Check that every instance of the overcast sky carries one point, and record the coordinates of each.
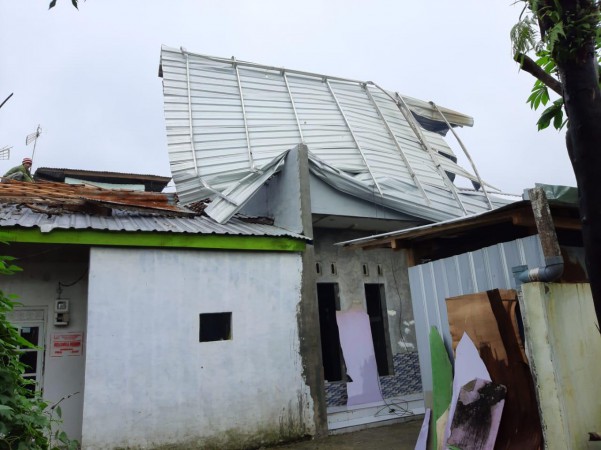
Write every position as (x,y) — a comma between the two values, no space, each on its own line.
(90,77)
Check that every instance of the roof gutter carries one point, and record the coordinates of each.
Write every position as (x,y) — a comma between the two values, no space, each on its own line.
(553,268)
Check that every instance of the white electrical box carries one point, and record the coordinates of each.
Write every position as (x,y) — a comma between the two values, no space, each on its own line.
(61,306)
(61,313)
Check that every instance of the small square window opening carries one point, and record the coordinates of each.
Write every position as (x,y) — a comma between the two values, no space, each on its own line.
(215,327)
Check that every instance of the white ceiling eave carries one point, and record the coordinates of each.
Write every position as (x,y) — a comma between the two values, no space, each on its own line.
(406,199)
(425,109)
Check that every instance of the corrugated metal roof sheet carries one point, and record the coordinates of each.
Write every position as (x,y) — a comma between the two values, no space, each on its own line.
(227,119)
(23,216)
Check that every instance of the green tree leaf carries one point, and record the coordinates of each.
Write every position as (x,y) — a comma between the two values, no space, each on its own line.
(552,113)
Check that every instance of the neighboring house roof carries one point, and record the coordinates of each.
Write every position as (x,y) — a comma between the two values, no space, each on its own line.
(152,183)
(46,194)
(487,226)
(23,216)
(45,212)
(230,123)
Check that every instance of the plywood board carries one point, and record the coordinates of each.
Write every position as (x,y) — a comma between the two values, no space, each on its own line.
(358,350)
(477,415)
(468,367)
(489,318)
(422,439)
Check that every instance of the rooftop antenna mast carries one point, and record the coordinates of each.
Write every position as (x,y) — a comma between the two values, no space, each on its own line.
(33,137)
(5,152)
(7,98)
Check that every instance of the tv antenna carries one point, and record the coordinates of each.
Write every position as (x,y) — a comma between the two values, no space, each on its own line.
(33,137)
(5,152)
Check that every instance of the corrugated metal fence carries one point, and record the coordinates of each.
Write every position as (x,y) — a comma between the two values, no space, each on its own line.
(469,273)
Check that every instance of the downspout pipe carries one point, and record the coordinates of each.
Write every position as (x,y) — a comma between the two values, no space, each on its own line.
(551,271)
(554,264)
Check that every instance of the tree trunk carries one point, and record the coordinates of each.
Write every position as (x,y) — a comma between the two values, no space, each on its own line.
(582,99)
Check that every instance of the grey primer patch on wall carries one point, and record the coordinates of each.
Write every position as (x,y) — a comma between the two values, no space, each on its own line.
(215,327)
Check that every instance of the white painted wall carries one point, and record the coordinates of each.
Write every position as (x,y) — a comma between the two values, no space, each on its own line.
(150,382)
(43,267)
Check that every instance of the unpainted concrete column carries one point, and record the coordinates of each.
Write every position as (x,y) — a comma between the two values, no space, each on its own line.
(290,204)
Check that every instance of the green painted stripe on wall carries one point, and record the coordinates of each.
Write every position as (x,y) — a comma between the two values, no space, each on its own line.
(151,239)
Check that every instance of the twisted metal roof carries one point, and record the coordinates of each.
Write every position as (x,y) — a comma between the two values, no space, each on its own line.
(229,124)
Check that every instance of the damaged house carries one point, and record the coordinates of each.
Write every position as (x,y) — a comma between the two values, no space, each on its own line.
(514,280)
(241,324)
(370,160)
(123,293)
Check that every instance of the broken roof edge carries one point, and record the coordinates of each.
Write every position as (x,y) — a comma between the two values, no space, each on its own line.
(60,171)
(562,192)
(221,209)
(420,107)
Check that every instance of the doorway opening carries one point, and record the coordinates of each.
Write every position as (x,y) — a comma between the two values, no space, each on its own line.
(375,300)
(331,352)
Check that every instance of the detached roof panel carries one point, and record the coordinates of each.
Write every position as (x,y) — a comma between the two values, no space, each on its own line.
(228,119)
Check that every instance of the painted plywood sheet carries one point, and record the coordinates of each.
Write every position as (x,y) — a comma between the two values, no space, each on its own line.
(477,415)
(422,439)
(358,350)
(472,313)
(487,318)
(468,366)
(442,381)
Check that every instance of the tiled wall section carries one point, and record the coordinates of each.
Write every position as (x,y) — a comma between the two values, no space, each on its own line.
(407,380)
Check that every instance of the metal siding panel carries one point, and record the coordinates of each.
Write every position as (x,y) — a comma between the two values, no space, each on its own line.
(450,268)
(481,274)
(496,267)
(422,322)
(466,276)
(532,251)
(442,293)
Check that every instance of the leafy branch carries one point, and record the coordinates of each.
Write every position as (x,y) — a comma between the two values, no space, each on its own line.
(53,4)
(553,34)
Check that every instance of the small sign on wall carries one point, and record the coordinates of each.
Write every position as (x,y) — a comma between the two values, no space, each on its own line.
(66,343)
